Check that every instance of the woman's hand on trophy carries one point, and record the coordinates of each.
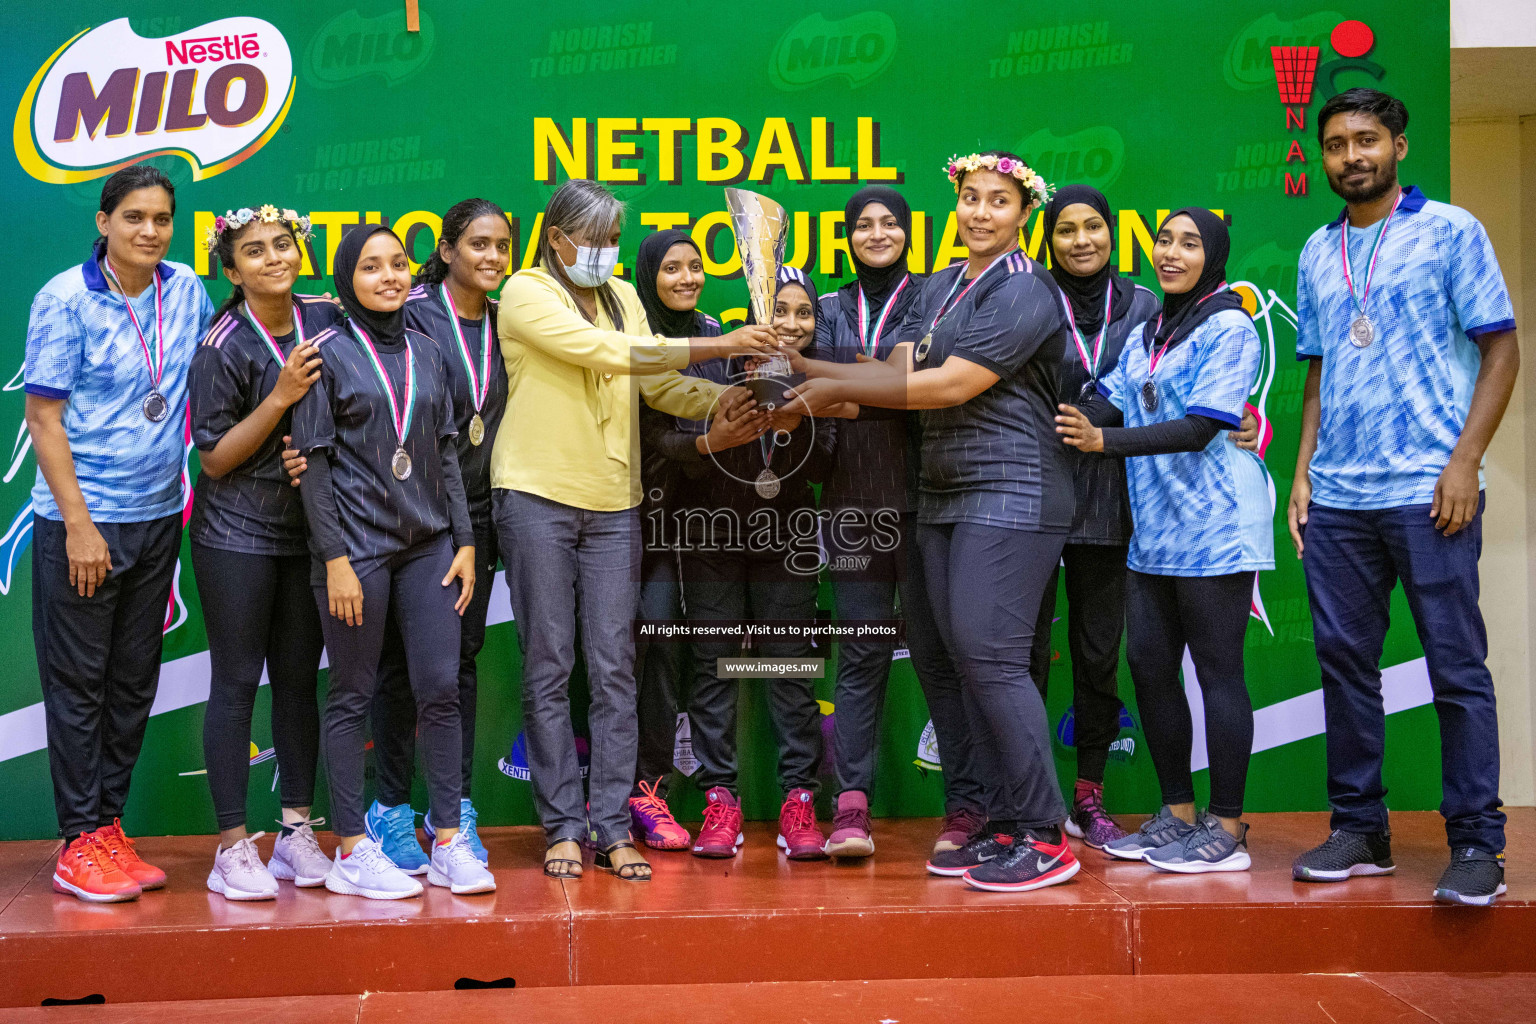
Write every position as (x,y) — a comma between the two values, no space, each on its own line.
(814,396)
(737,420)
(751,339)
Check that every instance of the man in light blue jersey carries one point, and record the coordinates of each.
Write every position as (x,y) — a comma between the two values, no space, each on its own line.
(1409,335)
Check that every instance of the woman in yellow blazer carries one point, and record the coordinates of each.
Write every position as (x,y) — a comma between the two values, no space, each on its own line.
(565,474)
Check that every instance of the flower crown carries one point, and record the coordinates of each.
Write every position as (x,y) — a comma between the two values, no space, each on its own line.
(234,220)
(1017,169)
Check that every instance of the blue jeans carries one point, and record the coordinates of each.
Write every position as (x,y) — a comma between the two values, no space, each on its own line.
(563,561)
(1352,560)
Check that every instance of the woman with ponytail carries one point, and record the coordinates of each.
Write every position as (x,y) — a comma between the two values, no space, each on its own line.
(449,305)
(108,345)
(249,549)
(566,476)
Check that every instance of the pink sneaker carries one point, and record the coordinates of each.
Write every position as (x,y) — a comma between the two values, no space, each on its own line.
(720,835)
(850,827)
(652,820)
(957,830)
(799,836)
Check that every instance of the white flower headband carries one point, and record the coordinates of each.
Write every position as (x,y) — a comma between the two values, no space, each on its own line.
(1034,185)
(234,220)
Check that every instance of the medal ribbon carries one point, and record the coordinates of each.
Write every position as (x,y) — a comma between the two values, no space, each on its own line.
(1155,359)
(1091,365)
(155,359)
(266,335)
(1370,270)
(479,383)
(869,341)
(945,308)
(401,417)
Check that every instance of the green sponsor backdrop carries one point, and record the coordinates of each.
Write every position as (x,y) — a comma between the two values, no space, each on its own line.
(1158,110)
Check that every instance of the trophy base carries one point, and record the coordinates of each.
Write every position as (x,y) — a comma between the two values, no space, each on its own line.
(769,390)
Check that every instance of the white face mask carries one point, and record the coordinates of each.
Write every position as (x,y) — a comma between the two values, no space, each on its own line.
(593,265)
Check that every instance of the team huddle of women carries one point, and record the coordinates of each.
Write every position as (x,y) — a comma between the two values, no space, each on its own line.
(368,461)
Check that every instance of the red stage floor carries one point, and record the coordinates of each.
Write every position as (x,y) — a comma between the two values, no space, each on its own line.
(757,918)
(1147,998)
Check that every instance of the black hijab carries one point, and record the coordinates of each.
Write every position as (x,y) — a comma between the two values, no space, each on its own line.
(664,320)
(383,328)
(1086,294)
(1183,312)
(878,282)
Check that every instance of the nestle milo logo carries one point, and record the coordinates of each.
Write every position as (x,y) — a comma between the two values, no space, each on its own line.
(1093,156)
(1249,65)
(814,49)
(351,46)
(1268,266)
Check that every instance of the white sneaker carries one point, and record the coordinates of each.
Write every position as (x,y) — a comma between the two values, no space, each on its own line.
(455,865)
(367,872)
(297,856)
(238,873)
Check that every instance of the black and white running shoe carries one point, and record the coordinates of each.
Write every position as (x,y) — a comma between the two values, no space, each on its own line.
(1344,854)
(1475,878)
(984,846)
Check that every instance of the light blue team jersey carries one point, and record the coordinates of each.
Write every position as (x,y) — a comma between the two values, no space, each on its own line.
(82,348)
(1204,513)
(1393,411)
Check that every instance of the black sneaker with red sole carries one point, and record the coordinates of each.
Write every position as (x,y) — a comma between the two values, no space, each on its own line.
(1033,862)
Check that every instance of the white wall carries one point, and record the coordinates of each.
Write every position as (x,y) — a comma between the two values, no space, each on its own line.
(1493,23)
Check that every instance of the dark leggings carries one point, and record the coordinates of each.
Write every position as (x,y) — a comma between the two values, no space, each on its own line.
(409,585)
(258,611)
(985,583)
(394,705)
(1209,614)
(1095,621)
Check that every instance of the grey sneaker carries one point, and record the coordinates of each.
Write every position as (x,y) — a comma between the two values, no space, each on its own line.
(1474,879)
(1344,854)
(1158,831)
(239,874)
(1206,847)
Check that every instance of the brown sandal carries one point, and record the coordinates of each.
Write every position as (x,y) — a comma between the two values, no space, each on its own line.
(562,867)
(630,872)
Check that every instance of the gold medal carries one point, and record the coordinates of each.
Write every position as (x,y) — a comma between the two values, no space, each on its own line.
(476,430)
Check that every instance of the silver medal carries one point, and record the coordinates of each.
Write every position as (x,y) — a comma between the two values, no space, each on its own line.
(1362,332)
(1149,395)
(923,347)
(767,484)
(476,430)
(1089,390)
(400,465)
(155,407)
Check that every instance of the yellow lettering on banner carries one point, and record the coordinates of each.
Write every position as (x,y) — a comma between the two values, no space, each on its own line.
(732,318)
(668,145)
(822,169)
(919,242)
(407,225)
(704,232)
(664,221)
(803,242)
(1133,232)
(828,242)
(334,221)
(202,220)
(869,152)
(950,248)
(533,241)
(550,143)
(727,146)
(777,146)
(610,150)
(1033,244)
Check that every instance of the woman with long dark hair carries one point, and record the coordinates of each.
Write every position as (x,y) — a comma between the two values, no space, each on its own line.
(565,474)
(392,540)
(249,548)
(980,354)
(450,306)
(1203,529)
(669,276)
(108,346)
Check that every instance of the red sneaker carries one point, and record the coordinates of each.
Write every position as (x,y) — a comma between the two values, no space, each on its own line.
(86,870)
(120,848)
(799,836)
(721,834)
(651,819)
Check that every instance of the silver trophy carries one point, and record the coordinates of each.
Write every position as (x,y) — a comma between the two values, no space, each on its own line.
(762,229)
